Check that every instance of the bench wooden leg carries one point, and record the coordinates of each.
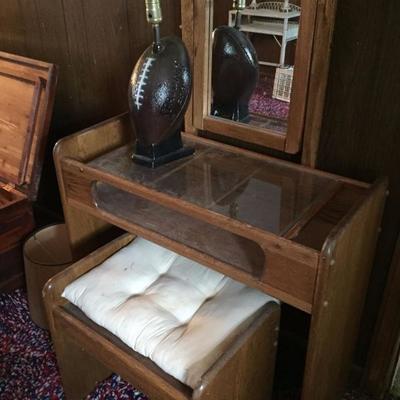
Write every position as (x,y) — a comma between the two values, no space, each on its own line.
(246,371)
(80,372)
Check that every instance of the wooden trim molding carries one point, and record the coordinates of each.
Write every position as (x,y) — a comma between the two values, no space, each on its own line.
(385,346)
(321,55)
(306,77)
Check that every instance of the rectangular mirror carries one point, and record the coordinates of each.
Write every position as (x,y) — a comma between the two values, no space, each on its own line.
(251,73)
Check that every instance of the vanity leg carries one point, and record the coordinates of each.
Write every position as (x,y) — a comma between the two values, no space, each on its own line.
(342,283)
(79,371)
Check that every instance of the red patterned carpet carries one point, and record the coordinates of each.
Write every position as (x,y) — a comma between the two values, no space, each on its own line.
(28,369)
(262,103)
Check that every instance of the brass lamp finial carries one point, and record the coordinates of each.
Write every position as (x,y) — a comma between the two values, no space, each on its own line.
(154,17)
(153,12)
(239,4)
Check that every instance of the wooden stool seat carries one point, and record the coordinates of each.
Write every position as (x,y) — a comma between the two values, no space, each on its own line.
(184,317)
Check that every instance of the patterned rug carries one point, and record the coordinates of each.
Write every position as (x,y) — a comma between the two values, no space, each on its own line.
(262,103)
(28,368)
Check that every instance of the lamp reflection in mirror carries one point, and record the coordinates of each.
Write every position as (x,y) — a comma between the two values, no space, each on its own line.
(235,70)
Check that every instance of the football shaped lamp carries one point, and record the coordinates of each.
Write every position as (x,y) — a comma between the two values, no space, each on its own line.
(159,93)
(234,70)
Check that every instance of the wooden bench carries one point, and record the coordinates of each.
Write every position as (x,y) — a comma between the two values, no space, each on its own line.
(87,353)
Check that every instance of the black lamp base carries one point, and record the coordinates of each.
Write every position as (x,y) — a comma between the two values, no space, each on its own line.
(154,155)
(234,112)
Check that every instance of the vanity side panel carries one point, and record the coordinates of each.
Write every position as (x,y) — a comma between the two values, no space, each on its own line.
(342,282)
(86,231)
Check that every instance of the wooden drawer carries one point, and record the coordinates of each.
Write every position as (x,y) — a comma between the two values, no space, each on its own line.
(279,255)
(264,263)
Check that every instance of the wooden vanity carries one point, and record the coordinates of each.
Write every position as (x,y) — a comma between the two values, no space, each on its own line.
(303,236)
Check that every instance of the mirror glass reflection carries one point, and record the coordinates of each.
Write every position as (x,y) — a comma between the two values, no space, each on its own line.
(253,52)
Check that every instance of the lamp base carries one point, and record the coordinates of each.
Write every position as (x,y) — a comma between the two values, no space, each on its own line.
(234,112)
(154,155)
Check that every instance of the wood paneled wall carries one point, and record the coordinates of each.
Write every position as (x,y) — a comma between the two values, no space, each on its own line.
(361,128)
(96,44)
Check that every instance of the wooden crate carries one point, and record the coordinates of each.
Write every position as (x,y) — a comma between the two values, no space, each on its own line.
(26,103)
(303,236)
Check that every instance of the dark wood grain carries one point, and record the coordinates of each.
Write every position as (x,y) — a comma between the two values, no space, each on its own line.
(341,286)
(386,342)
(96,44)
(16,222)
(360,133)
(11,278)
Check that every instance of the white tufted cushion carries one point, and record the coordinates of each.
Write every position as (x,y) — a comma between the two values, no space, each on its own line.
(175,311)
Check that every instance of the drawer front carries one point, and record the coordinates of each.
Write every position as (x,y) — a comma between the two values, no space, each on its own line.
(296,277)
(275,265)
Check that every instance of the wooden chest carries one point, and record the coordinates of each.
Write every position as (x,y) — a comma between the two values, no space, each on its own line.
(26,103)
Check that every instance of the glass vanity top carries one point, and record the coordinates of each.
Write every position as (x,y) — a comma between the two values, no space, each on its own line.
(260,193)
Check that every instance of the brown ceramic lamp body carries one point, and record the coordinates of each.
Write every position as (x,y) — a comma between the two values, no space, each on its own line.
(234,72)
(159,93)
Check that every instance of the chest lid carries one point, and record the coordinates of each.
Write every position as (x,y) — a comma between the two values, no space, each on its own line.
(26,102)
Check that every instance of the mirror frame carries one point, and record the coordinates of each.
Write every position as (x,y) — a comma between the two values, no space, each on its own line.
(197,18)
